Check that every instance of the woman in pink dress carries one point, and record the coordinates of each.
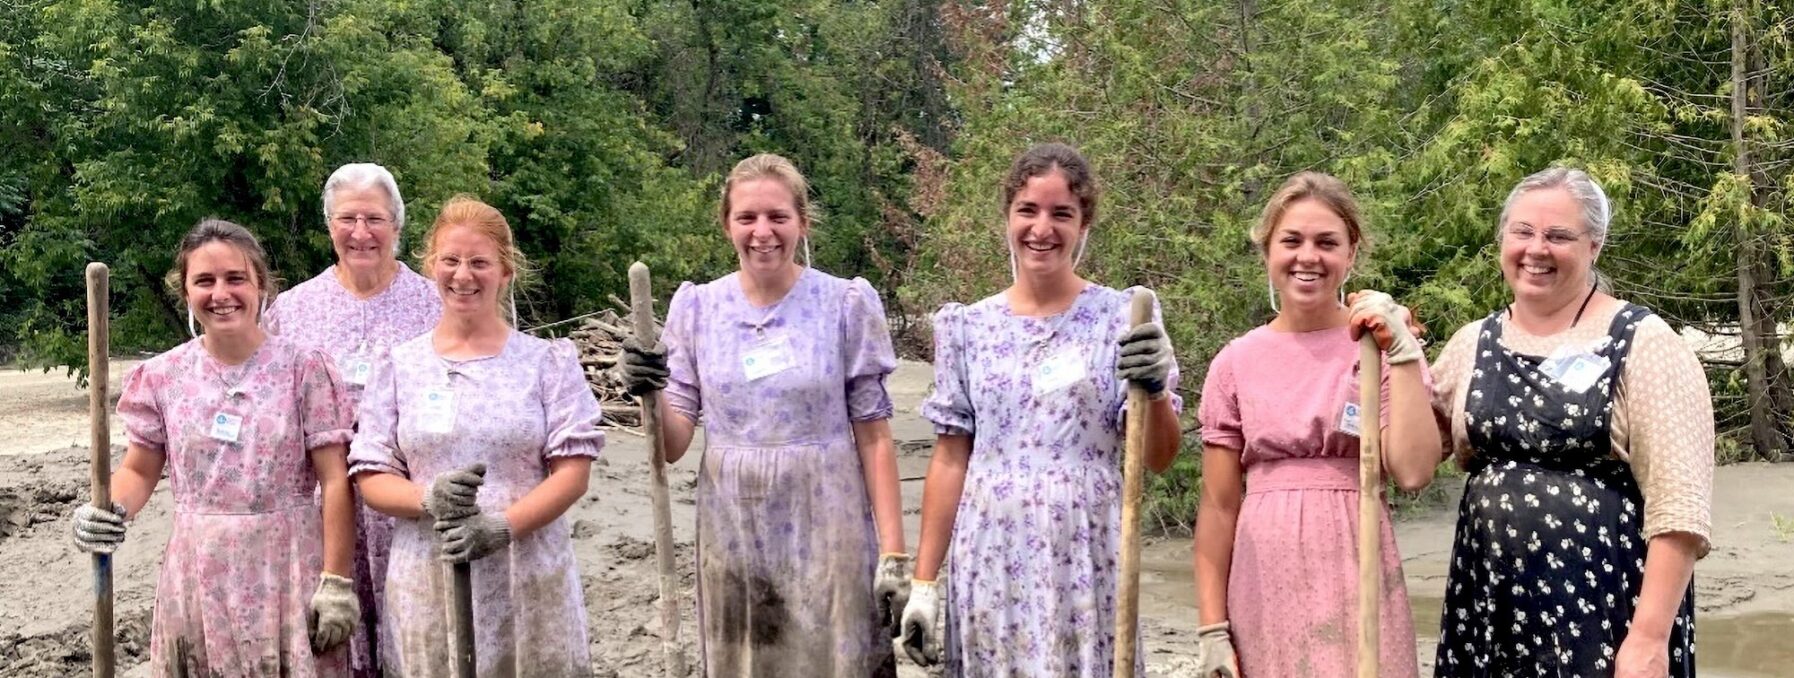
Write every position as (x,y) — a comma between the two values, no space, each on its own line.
(248,427)
(478,438)
(1276,535)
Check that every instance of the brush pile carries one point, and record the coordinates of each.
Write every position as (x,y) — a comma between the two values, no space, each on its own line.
(600,341)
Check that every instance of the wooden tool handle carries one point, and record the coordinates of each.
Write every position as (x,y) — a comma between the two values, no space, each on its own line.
(1370,503)
(641,316)
(99,367)
(461,587)
(1127,595)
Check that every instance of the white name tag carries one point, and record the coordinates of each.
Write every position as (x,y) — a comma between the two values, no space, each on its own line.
(1576,370)
(1063,369)
(1350,420)
(766,359)
(436,411)
(226,427)
(356,371)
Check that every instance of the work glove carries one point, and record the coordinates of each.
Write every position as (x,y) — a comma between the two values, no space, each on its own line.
(891,588)
(644,368)
(921,639)
(1145,358)
(1214,652)
(98,530)
(451,496)
(1390,323)
(334,611)
(474,537)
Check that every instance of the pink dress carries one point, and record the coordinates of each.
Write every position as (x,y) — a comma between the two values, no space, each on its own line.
(515,412)
(1292,595)
(247,547)
(356,333)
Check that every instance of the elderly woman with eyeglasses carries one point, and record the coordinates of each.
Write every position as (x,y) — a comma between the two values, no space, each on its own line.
(1586,427)
(354,311)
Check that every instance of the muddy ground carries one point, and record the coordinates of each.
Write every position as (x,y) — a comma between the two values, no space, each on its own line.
(1745,588)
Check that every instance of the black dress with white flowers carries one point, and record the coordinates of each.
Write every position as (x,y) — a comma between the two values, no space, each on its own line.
(1549,556)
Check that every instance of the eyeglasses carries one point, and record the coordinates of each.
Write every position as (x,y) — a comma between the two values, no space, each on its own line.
(1553,236)
(347,222)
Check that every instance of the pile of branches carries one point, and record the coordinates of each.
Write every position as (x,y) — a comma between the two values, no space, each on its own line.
(600,340)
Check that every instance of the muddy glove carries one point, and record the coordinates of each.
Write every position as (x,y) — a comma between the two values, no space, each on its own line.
(1145,358)
(474,537)
(1214,652)
(644,369)
(921,638)
(891,589)
(334,610)
(98,530)
(1389,322)
(451,496)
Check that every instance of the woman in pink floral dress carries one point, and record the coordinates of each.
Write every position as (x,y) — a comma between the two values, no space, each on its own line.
(355,311)
(479,437)
(248,426)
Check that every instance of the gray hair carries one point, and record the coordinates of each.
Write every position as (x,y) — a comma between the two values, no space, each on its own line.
(363,175)
(1597,213)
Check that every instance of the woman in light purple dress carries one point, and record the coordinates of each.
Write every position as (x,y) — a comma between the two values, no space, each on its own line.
(248,426)
(1029,390)
(797,494)
(479,437)
(355,311)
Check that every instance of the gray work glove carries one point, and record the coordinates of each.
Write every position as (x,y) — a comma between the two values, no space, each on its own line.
(921,637)
(451,496)
(1214,652)
(644,368)
(334,611)
(1145,358)
(97,530)
(891,588)
(469,539)
(1391,323)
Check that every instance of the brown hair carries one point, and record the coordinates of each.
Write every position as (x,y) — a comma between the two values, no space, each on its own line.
(1327,189)
(212,230)
(1041,160)
(466,210)
(775,167)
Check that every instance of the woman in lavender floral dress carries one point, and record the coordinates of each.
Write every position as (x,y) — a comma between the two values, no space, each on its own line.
(479,437)
(248,426)
(797,493)
(355,311)
(1029,390)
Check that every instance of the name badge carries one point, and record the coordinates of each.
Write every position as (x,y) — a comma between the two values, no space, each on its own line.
(1576,370)
(1350,420)
(436,411)
(1061,370)
(767,358)
(226,427)
(357,370)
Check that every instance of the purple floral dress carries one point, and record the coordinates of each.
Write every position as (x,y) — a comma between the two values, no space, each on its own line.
(515,412)
(356,333)
(1037,537)
(247,547)
(786,544)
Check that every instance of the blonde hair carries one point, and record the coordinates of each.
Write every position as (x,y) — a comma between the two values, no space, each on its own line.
(775,167)
(1326,189)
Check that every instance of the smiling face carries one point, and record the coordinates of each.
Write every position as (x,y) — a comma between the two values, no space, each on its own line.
(362,229)
(1546,251)
(222,289)
(1045,225)
(469,270)
(765,225)
(1309,255)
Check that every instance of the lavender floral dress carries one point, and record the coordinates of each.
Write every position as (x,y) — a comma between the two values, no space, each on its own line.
(514,412)
(1037,537)
(247,547)
(786,543)
(356,333)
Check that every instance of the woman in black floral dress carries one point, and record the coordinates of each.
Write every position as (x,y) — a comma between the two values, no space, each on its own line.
(1588,433)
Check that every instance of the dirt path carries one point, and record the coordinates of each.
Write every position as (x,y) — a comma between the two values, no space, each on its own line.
(1746,587)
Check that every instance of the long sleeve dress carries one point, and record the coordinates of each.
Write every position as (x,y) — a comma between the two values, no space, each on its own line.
(424,415)
(787,549)
(1033,558)
(1278,398)
(356,333)
(247,546)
